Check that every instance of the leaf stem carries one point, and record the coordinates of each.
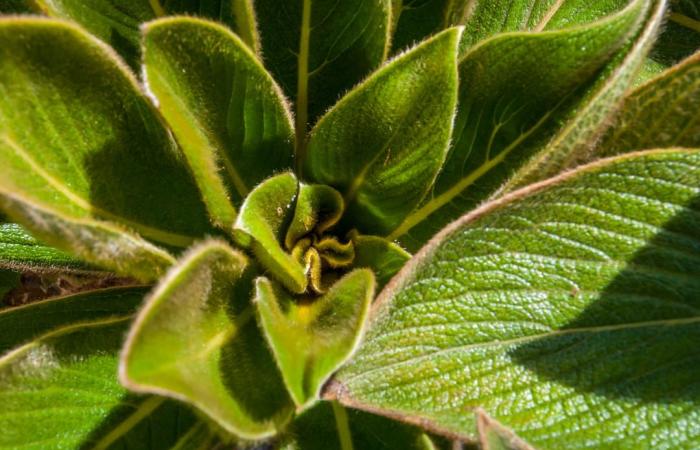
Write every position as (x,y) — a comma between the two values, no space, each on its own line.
(143,411)
(157,8)
(343,425)
(302,107)
(685,21)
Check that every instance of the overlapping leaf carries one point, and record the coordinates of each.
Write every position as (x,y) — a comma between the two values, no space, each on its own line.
(19,249)
(568,311)
(225,110)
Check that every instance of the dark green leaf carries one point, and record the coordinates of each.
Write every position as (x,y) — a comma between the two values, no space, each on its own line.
(311,337)
(661,113)
(8,281)
(509,102)
(417,19)
(196,340)
(226,111)
(569,310)
(383,143)
(317,49)
(261,227)
(80,144)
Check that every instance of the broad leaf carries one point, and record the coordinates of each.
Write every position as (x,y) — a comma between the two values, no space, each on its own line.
(586,123)
(80,144)
(20,250)
(117,22)
(504,115)
(196,340)
(384,257)
(317,49)
(568,310)
(383,143)
(23,323)
(312,337)
(261,227)
(661,113)
(317,429)
(60,391)
(225,110)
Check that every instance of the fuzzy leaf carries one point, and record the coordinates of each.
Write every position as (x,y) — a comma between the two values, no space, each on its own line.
(312,337)
(196,340)
(383,143)
(80,145)
(504,115)
(225,110)
(384,257)
(661,113)
(117,22)
(569,310)
(60,391)
(318,207)
(317,49)
(261,227)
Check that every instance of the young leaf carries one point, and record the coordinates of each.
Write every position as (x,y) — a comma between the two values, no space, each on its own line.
(261,227)
(312,337)
(661,113)
(20,250)
(317,49)
(225,110)
(504,115)
(575,140)
(60,391)
(80,144)
(384,257)
(117,22)
(383,143)
(318,207)
(551,308)
(196,340)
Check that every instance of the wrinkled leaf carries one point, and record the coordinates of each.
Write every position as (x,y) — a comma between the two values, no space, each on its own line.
(196,340)
(79,145)
(318,207)
(509,102)
(568,310)
(661,113)
(383,143)
(225,110)
(311,337)
(417,19)
(60,391)
(261,227)
(317,49)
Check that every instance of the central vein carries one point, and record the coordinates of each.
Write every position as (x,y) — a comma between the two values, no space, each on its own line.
(303,85)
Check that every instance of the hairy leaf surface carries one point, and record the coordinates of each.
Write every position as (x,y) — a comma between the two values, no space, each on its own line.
(20,250)
(569,311)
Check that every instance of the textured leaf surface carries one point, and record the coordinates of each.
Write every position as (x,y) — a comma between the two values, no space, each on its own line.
(384,257)
(261,227)
(19,249)
(382,145)
(568,311)
(80,144)
(224,108)
(317,49)
(61,391)
(509,102)
(494,436)
(661,113)
(196,340)
(312,337)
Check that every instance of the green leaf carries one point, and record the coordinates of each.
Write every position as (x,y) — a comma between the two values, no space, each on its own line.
(417,19)
(661,113)
(20,250)
(384,257)
(505,115)
(80,145)
(383,143)
(261,227)
(23,323)
(117,22)
(317,49)
(568,310)
(311,337)
(316,429)
(196,340)
(8,281)
(60,391)
(225,110)
(494,436)
(318,208)
(573,144)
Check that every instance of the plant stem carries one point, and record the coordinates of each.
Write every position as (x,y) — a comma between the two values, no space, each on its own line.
(343,425)
(302,105)
(685,21)
(157,8)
